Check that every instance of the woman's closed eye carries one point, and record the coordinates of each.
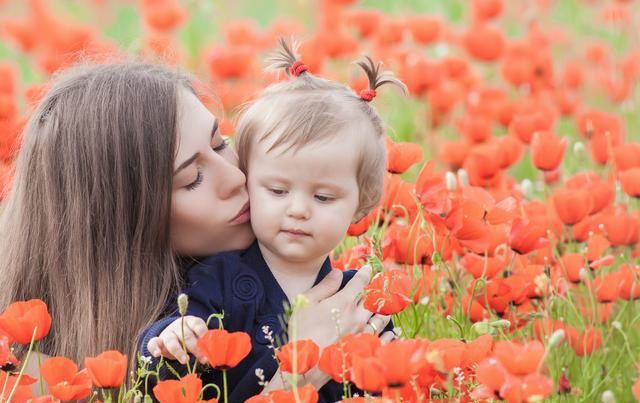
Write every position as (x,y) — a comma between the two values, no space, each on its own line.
(196,182)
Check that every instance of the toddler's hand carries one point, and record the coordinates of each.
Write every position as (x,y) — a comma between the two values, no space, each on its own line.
(169,343)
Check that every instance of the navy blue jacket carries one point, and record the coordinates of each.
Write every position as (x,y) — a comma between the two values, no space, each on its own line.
(240,284)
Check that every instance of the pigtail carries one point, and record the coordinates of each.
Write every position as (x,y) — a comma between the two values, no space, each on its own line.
(285,58)
(377,79)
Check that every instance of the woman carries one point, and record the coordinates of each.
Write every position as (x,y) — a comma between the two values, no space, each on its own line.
(121,176)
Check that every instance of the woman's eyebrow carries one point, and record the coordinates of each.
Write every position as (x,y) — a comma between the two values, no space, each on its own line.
(185,164)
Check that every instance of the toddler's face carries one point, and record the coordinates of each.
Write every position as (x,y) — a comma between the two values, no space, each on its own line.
(303,200)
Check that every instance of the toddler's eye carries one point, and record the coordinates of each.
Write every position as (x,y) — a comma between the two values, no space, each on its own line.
(223,144)
(324,199)
(277,192)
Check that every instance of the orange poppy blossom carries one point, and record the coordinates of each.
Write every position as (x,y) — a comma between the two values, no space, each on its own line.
(547,150)
(630,181)
(572,205)
(64,381)
(26,320)
(401,156)
(298,356)
(108,369)
(185,390)
(389,292)
(306,394)
(21,384)
(224,349)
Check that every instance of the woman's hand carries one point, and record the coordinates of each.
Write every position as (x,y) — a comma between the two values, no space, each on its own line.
(329,309)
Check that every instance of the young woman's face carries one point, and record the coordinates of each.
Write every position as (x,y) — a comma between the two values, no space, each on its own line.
(210,206)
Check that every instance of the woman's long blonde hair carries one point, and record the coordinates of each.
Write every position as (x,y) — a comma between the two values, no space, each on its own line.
(86,225)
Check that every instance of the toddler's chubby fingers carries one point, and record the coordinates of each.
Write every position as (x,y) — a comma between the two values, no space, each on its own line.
(174,347)
(197,325)
(154,346)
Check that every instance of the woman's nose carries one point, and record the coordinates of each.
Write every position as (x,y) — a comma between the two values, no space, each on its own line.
(231,179)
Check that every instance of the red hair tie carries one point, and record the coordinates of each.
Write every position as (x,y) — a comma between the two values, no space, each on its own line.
(368,94)
(298,68)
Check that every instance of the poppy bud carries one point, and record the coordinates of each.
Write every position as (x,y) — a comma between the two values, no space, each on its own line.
(463,177)
(183,304)
(608,397)
(556,338)
(578,147)
(501,324)
(450,180)
(482,327)
(527,188)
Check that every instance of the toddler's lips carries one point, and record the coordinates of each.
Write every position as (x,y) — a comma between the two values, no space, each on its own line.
(296,232)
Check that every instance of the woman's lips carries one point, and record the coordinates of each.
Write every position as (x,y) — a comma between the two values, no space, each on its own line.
(243,215)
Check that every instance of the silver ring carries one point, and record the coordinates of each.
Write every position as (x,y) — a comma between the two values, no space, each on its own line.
(373,326)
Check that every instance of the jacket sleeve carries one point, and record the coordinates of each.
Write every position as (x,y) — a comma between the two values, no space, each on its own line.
(204,291)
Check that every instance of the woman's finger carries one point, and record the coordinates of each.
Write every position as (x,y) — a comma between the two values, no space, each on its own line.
(325,288)
(356,285)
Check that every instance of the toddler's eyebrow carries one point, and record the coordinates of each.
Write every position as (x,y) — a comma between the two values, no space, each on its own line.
(185,164)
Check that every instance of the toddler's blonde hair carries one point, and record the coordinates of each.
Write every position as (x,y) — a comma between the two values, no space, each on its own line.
(307,109)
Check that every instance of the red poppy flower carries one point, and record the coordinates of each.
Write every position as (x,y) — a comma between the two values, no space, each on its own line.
(336,359)
(108,369)
(22,387)
(304,358)
(519,359)
(185,390)
(586,342)
(223,349)
(388,293)
(484,42)
(572,205)
(306,394)
(359,228)
(486,9)
(367,373)
(547,150)
(425,29)
(401,156)
(630,181)
(21,319)
(64,380)
(526,236)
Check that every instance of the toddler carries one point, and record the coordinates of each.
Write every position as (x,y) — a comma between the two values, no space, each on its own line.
(314,156)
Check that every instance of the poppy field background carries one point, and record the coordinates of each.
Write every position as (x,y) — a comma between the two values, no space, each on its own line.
(509,229)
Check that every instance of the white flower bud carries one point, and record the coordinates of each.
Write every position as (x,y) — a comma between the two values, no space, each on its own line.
(527,188)
(183,304)
(501,324)
(578,147)
(556,338)
(583,274)
(608,397)
(463,177)
(450,180)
